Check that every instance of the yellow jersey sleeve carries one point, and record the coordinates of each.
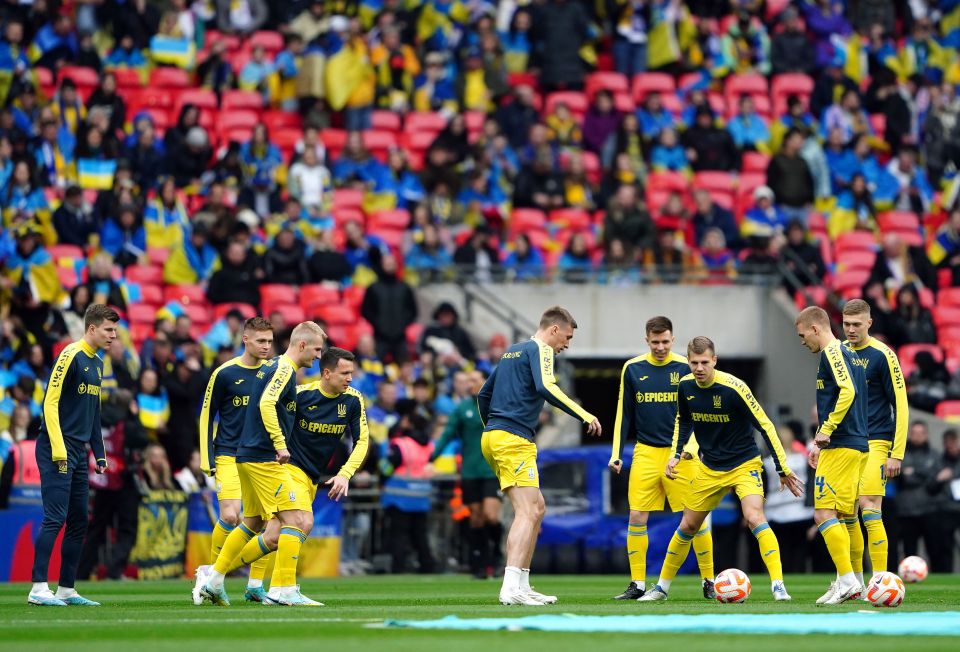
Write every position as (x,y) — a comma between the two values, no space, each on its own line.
(51,401)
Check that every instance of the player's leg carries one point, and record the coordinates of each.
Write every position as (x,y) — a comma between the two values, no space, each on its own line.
(873,486)
(74,532)
(492,505)
(836,484)
(528,509)
(852,523)
(228,497)
(753,514)
(677,491)
(476,531)
(295,513)
(645,493)
(421,542)
(676,553)
(55,495)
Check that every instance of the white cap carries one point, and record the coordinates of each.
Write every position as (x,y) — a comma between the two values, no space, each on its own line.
(762,192)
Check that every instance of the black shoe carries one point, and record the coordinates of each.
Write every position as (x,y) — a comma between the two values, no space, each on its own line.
(708,591)
(632,593)
(479,575)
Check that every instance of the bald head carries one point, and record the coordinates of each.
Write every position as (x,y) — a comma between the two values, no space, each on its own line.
(306,343)
(813,316)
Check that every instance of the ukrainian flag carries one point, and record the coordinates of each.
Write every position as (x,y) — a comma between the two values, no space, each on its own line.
(944,245)
(172,51)
(39,273)
(164,228)
(171,311)
(950,23)
(94,174)
(154,409)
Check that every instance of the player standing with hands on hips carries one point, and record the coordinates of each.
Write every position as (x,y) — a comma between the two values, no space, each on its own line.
(510,403)
(71,419)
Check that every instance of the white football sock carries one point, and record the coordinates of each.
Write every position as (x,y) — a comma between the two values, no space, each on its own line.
(63,592)
(859,577)
(254,584)
(640,584)
(511,579)
(524,579)
(40,587)
(215,580)
(847,580)
(664,584)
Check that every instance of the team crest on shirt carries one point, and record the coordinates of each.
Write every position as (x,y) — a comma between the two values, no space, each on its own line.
(674,377)
(342,411)
(292,406)
(531,473)
(82,389)
(303,424)
(293,496)
(716,401)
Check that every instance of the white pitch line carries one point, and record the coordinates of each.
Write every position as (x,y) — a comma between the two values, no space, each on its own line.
(147,621)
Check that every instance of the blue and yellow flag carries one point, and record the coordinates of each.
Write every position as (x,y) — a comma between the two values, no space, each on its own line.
(172,51)
(94,174)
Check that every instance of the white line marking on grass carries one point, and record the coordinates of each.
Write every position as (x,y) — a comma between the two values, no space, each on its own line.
(205,621)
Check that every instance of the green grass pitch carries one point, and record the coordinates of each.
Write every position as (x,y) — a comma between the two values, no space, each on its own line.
(146,616)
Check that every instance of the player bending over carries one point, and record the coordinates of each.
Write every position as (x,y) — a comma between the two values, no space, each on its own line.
(724,413)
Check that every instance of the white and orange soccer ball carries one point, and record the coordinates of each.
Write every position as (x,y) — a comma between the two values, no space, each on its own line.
(913,569)
(886,590)
(732,586)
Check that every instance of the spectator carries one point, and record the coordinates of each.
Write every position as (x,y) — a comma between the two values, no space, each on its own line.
(539,185)
(899,264)
(429,259)
(918,515)
(630,143)
(915,193)
(286,261)
(576,263)
(310,23)
(855,210)
(891,100)
(886,324)
(940,132)
(618,268)
(478,257)
(834,83)
(765,215)
(789,177)
(390,306)
(310,182)
(826,23)
(155,473)
(517,43)
(326,264)
(626,220)
(237,281)
(74,221)
(517,117)
(105,97)
(709,215)
(667,258)
(563,27)
(355,166)
(396,66)
(790,50)
(103,288)
(146,157)
(124,237)
(241,17)
(653,117)
(194,261)
(796,117)
(193,480)
(188,162)
(928,384)
(382,414)
(748,130)
(215,72)
(792,516)
(259,75)
(668,155)
(943,545)
(433,90)
(565,127)
(577,187)
(802,257)
(916,321)
(262,196)
(152,401)
(709,147)
(524,262)
(446,326)
(630,37)
(758,258)
(185,389)
(944,250)
(716,261)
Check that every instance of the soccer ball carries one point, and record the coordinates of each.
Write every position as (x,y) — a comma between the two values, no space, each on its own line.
(886,590)
(732,586)
(913,569)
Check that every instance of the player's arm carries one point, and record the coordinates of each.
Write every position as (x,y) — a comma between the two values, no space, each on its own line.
(682,425)
(361,444)
(895,390)
(486,396)
(623,424)
(450,432)
(96,439)
(546,383)
(268,404)
(208,412)
(844,380)
(63,374)
(762,423)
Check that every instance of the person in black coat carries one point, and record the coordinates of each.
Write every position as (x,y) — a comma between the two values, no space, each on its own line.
(326,263)
(73,221)
(446,326)
(801,257)
(560,29)
(899,265)
(146,159)
(105,96)
(516,118)
(286,261)
(791,50)
(390,306)
(138,18)
(237,280)
(478,254)
(709,147)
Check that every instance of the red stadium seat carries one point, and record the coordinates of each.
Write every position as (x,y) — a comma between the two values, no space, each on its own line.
(141,313)
(755,162)
(714,180)
(80,75)
(419,141)
(199,314)
(949,297)
(353,296)
(817,297)
(417,121)
(67,277)
(185,294)
(645,83)
(271,41)
(878,122)
(745,84)
(65,251)
(237,118)
(614,82)
(523,219)
(276,293)
(385,121)
(127,77)
(151,294)
(157,255)
(925,295)
(292,313)
(200,97)
(573,219)
(347,198)
(213,36)
(898,221)
(576,101)
(317,294)
(855,259)
(949,411)
(946,316)
(344,214)
(164,77)
(276,119)
(393,238)
(910,351)
(853,279)
(397,219)
(220,310)
(247,100)
(792,83)
(413,333)
(670,181)
(861,240)
(140,332)
(339,314)
(474,120)
(379,142)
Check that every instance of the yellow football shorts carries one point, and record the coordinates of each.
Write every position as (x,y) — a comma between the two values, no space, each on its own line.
(837,480)
(228,480)
(708,487)
(512,458)
(873,482)
(649,485)
(266,488)
(303,487)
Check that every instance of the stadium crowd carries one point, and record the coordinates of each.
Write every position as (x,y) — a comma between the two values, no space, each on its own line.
(194,164)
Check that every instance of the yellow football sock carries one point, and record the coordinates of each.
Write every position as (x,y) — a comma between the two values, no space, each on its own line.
(258,569)
(676,553)
(637,552)
(232,547)
(253,552)
(703,549)
(769,550)
(877,538)
(838,543)
(288,553)
(220,533)
(856,542)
